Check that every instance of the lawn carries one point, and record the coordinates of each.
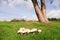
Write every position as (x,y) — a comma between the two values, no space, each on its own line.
(50,31)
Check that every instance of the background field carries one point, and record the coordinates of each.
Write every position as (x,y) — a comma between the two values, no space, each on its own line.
(50,31)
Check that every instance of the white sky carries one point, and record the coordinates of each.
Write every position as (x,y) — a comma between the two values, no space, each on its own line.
(10,9)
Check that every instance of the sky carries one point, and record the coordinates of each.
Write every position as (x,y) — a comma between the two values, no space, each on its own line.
(10,9)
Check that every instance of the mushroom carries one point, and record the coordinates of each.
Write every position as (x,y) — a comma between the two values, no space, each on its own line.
(33,30)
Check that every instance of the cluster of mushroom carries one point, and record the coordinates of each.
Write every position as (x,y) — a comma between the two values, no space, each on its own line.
(25,30)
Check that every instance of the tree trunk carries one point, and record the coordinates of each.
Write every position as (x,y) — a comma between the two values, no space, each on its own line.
(38,11)
(43,9)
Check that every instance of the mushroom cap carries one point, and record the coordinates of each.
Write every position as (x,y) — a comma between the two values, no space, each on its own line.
(28,30)
(39,30)
(22,30)
(33,29)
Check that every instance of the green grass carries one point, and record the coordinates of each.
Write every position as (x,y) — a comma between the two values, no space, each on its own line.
(50,31)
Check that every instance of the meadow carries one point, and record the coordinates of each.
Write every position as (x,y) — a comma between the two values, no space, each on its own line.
(50,31)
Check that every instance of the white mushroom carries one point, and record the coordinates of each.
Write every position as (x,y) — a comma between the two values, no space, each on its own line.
(39,30)
(22,30)
(28,30)
(33,30)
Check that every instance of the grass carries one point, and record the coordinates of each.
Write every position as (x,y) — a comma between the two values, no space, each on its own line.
(50,31)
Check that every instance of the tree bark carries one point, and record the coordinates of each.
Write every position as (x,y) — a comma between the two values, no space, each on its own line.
(38,11)
(43,9)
